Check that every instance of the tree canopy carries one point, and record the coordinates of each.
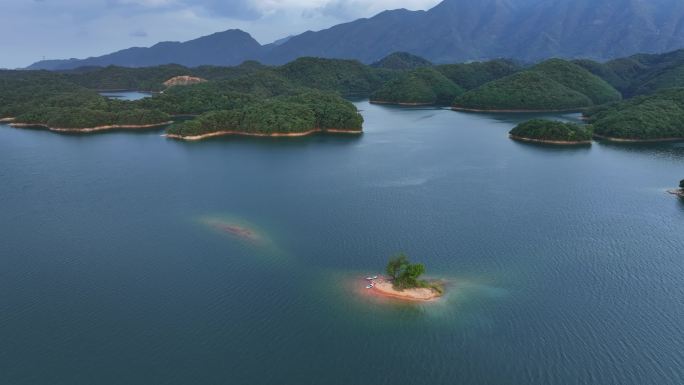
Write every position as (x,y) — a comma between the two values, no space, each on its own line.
(550,130)
(420,86)
(527,90)
(404,274)
(652,117)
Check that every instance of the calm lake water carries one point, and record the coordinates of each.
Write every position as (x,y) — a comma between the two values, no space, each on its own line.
(119,262)
(126,95)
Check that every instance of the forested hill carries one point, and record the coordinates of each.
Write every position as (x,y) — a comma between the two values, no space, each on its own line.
(453,31)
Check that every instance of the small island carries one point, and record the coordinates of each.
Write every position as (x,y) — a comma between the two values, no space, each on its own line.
(404,283)
(552,132)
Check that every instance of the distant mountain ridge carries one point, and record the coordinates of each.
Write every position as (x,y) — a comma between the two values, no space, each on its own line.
(228,48)
(452,31)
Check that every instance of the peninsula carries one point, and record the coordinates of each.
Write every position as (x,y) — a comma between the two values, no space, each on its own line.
(404,283)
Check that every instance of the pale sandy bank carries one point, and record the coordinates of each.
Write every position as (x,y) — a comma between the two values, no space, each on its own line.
(384,288)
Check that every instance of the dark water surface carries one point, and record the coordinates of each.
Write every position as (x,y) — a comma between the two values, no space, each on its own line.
(126,258)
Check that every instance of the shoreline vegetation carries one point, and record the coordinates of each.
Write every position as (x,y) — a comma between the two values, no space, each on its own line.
(308,94)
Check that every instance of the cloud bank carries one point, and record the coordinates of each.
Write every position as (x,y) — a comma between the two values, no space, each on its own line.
(33,29)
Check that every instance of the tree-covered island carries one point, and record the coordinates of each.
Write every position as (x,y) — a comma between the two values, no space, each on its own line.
(307,95)
(404,281)
(552,132)
(250,99)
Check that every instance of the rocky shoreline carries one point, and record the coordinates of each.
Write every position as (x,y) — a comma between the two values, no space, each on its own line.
(627,140)
(547,141)
(93,129)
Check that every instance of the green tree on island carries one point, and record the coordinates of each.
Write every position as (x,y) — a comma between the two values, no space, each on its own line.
(681,184)
(404,274)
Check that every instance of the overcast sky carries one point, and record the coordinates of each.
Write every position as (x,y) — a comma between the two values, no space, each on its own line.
(58,29)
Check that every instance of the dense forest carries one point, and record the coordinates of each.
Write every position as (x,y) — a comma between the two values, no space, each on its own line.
(314,88)
(552,131)
(420,86)
(401,61)
(641,74)
(267,100)
(302,113)
(524,91)
(650,117)
(551,85)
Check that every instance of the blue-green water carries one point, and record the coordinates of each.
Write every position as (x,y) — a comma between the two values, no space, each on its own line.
(126,95)
(565,265)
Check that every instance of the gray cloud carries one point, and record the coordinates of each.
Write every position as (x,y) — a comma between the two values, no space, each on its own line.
(82,28)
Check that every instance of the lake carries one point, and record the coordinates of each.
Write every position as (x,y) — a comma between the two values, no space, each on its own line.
(123,261)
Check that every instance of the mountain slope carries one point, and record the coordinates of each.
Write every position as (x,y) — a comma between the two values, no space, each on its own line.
(462,30)
(452,31)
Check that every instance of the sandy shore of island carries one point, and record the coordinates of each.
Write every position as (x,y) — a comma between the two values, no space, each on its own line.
(93,129)
(383,288)
(627,140)
(545,141)
(6,120)
(261,135)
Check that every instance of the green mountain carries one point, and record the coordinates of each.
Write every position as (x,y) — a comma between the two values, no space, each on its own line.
(473,75)
(551,85)
(347,77)
(421,86)
(641,74)
(523,91)
(402,61)
(578,79)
